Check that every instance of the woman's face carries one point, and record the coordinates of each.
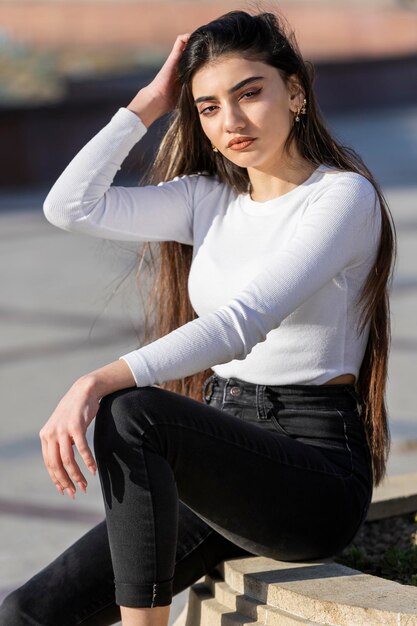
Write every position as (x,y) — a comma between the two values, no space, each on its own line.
(246,110)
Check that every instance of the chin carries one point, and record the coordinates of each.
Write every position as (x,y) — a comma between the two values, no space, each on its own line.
(243,160)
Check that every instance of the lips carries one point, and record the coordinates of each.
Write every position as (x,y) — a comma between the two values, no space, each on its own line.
(239,143)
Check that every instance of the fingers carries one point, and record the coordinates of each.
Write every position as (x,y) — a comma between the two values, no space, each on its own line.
(83,448)
(177,49)
(182,39)
(164,88)
(179,45)
(59,459)
(44,444)
(66,468)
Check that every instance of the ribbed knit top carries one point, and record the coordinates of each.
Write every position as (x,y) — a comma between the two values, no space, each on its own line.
(274,283)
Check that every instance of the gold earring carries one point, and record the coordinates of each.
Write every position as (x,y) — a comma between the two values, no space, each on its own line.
(302,110)
(213,147)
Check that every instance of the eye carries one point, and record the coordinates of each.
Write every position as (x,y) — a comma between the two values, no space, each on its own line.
(247,95)
(251,94)
(207,110)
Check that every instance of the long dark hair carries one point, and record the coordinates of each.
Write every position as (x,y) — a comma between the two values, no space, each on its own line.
(186,150)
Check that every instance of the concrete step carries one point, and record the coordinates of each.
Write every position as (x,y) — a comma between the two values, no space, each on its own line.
(214,603)
(206,610)
(245,605)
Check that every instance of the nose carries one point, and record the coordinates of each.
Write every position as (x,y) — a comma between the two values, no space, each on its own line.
(233,119)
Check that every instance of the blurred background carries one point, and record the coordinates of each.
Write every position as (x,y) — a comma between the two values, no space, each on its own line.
(69,304)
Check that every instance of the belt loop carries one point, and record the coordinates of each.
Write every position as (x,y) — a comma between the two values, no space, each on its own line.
(356,396)
(260,402)
(226,384)
(210,380)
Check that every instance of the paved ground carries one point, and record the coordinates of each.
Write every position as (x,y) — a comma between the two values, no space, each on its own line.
(56,323)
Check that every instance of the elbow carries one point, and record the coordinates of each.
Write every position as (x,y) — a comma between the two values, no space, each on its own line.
(64,213)
(55,212)
(49,213)
(247,329)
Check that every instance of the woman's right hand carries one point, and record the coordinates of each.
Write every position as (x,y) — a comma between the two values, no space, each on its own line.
(160,96)
(66,429)
(67,426)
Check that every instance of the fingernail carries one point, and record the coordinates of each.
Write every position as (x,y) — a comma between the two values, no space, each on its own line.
(70,493)
(59,490)
(82,486)
(92,469)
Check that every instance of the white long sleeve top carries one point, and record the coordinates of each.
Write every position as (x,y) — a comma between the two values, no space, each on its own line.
(274,283)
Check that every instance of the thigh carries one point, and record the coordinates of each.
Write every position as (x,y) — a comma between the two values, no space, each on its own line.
(78,586)
(268,493)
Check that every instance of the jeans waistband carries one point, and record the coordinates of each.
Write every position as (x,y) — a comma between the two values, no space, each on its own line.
(343,396)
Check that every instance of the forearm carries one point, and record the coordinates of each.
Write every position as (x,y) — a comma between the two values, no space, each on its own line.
(77,199)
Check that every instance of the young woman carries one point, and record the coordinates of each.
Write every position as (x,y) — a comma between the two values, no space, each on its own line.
(283,242)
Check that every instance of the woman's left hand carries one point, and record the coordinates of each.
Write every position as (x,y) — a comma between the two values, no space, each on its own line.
(67,426)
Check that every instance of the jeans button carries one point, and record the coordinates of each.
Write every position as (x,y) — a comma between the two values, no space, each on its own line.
(235,391)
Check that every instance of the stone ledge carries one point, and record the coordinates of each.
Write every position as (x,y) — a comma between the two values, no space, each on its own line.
(323,592)
(258,590)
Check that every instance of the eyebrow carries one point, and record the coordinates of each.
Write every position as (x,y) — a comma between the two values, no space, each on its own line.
(242,83)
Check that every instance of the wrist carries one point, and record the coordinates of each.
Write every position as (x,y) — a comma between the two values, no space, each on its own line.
(107,379)
(147,105)
(89,384)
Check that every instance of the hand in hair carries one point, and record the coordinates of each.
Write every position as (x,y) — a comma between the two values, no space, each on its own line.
(160,96)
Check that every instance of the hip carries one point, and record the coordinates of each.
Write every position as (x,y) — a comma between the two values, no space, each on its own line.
(328,417)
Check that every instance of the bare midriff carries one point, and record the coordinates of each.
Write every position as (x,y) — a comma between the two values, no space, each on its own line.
(343,379)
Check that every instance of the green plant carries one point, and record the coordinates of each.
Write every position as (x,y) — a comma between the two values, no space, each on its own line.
(394,563)
(400,564)
(355,557)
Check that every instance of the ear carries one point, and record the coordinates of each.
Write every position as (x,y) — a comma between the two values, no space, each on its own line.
(295,92)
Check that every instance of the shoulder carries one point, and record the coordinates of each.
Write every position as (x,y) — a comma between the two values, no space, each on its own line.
(345,195)
(197,187)
(343,199)
(343,184)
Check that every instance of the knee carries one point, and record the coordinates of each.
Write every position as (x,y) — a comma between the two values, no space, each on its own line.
(124,417)
(14,612)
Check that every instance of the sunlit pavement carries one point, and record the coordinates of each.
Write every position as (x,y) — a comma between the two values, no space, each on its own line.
(59,321)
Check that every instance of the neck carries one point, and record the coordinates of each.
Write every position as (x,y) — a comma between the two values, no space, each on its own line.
(266,185)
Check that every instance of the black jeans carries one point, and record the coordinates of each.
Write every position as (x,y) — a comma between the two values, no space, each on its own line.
(282,472)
